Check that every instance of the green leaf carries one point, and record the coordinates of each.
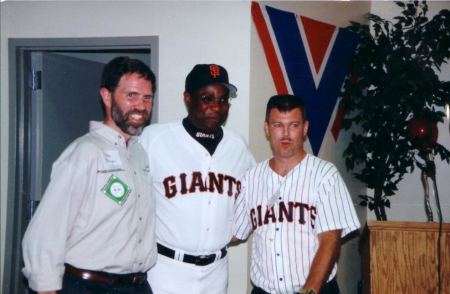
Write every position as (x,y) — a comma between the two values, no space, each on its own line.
(401,4)
(365,197)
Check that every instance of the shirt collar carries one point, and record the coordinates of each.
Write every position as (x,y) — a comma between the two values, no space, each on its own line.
(111,135)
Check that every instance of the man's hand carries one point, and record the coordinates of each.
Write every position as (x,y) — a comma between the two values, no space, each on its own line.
(329,245)
(47,292)
(234,239)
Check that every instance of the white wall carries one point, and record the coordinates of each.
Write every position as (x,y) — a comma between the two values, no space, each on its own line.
(262,88)
(408,203)
(189,33)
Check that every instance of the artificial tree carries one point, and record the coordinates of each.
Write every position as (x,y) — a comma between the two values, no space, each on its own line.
(392,80)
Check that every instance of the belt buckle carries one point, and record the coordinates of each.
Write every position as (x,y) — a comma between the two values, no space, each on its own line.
(137,280)
(204,259)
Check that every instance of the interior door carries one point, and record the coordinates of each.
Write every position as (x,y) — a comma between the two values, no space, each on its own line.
(68,99)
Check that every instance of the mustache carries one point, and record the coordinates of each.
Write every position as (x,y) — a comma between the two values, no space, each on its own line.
(135,111)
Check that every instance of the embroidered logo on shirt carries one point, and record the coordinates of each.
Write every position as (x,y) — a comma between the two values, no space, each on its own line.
(146,168)
(116,190)
(203,135)
(112,157)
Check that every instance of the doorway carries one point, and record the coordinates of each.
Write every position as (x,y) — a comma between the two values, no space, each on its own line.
(54,93)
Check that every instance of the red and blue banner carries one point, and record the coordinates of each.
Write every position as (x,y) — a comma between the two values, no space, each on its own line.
(307,58)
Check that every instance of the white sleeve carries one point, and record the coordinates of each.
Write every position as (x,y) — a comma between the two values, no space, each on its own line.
(251,159)
(335,209)
(145,138)
(242,225)
(44,242)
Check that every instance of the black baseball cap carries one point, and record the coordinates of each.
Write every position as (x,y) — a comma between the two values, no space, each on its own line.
(203,75)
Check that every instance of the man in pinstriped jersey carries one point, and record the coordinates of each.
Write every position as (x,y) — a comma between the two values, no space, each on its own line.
(297,206)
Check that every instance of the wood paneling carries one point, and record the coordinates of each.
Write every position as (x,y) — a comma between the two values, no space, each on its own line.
(402,257)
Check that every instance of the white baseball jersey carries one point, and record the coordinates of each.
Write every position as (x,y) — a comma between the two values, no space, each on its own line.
(286,214)
(195,192)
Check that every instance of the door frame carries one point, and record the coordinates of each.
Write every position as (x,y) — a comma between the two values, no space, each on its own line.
(18,170)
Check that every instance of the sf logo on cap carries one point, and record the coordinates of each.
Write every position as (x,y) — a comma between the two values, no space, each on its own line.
(215,70)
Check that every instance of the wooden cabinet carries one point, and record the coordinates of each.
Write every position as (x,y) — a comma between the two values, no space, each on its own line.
(401,257)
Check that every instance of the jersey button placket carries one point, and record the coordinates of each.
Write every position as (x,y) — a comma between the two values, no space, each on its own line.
(278,250)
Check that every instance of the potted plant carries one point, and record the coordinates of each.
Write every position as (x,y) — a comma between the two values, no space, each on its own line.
(393,82)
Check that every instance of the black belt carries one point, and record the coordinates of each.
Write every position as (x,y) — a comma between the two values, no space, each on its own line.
(200,260)
(106,278)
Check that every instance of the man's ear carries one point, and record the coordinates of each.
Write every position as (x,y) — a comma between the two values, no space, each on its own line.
(266,128)
(106,97)
(305,129)
(187,98)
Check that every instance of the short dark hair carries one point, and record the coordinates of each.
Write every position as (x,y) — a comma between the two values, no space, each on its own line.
(120,66)
(285,103)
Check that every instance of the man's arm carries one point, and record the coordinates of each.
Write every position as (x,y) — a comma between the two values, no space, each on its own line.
(323,262)
(44,242)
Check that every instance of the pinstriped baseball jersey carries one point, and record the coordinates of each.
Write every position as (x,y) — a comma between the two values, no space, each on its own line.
(286,214)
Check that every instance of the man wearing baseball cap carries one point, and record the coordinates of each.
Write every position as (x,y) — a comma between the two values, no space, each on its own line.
(196,166)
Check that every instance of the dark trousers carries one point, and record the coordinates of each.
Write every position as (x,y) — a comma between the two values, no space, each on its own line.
(329,288)
(74,285)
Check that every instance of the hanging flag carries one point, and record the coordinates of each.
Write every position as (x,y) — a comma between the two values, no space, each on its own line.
(307,58)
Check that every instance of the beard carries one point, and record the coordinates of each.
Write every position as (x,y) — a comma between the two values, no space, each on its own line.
(121,119)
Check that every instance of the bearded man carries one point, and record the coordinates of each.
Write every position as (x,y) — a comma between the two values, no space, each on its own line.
(94,230)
